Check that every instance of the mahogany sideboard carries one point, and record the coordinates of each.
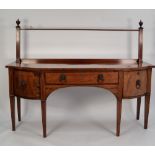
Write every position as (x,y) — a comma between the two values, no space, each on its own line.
(37,78)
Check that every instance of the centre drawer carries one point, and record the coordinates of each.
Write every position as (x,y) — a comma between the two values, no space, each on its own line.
(81,78)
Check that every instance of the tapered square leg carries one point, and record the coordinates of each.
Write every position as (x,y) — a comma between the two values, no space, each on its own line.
(43,111)
(12,108)
(138,107)
(119,110)
(146,110)
(19,108)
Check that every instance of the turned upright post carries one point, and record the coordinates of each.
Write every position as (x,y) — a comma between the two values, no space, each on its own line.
(18,60)
(140,60)
(140,43)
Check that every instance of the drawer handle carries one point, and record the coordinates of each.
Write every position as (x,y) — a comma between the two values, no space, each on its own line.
(62,78)
(22,84)
(138,84)
(100,77)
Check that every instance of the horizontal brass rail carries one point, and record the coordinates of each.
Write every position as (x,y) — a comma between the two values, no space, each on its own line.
(79,29)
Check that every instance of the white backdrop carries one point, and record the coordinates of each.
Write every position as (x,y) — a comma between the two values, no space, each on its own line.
(76,116)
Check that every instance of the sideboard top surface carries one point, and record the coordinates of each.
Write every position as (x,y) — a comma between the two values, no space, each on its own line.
(60,64)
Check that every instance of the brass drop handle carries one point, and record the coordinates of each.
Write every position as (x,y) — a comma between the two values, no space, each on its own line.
(138,84)
(100,77)
(22,84)
(62,78)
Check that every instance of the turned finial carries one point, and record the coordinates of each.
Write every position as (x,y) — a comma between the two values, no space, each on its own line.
(18,23)
(140,24)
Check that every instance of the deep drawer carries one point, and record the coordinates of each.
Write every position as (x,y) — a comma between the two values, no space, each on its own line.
(134,83)
(26,84)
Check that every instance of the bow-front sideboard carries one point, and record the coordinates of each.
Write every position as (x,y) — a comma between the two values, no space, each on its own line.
(37,78)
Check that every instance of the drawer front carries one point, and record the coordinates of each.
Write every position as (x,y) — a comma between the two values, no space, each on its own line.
(82,78)
(134,83)
(26,84)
